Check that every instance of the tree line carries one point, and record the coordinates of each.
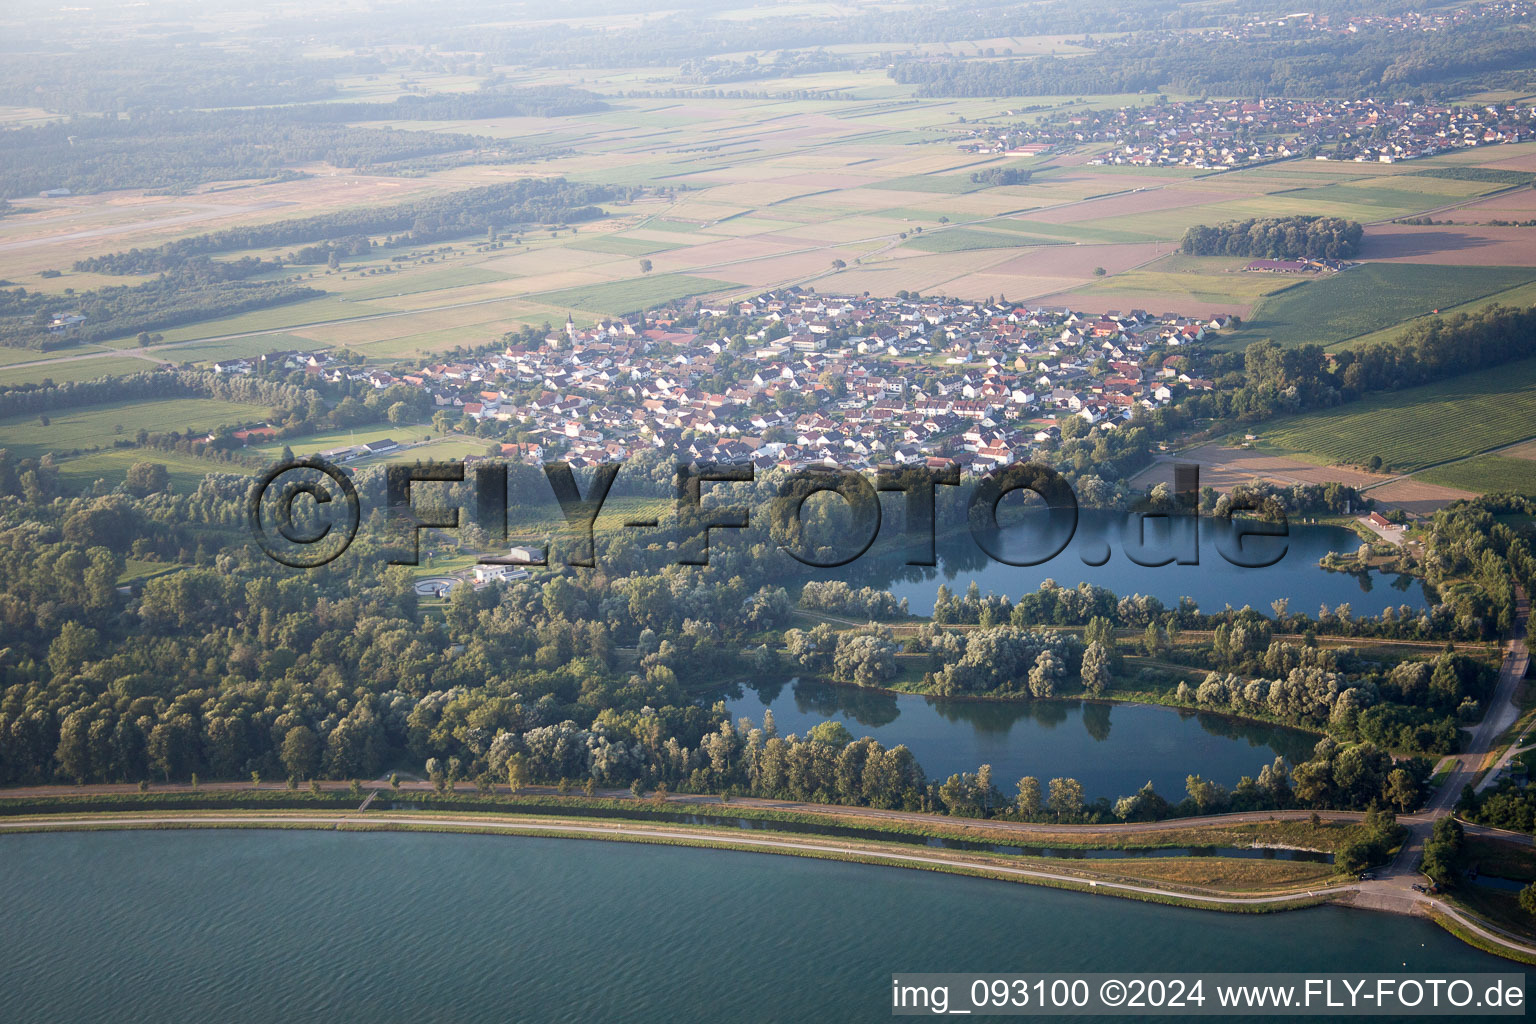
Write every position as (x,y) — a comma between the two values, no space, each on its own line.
(196,291)
(427,219)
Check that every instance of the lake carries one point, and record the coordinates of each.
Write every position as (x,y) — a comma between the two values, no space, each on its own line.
(1112,749)
(1213,583)
(236,926)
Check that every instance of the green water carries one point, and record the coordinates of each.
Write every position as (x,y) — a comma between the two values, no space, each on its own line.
(335,927)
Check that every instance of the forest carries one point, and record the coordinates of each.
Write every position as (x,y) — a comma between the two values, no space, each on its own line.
(234,665)
(1374,62)
(1332,238)
(181,149)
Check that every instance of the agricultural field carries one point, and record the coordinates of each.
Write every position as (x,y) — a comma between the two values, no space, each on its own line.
(185,471)
(1417,427)
(966,239)
(1338,308)
(313,443)
(750,193)
(100,426)
(1486,473)
(631,296)
(72,369)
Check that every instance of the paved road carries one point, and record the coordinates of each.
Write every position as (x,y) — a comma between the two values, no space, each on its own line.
(1393,890)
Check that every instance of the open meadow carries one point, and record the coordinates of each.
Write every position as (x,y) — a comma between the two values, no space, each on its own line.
(101,426)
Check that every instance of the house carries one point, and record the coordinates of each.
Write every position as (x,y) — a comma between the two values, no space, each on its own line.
(382,446)
(499,573)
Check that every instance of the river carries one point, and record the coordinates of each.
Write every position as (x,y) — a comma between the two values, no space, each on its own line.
(1112,749)
(256,925)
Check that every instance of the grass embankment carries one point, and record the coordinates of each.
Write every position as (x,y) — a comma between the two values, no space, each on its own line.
(1326,836)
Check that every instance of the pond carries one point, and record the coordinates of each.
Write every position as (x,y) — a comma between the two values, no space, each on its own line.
(1112,749)
(1213,583)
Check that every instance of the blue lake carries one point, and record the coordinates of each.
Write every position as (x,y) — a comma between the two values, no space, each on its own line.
(335,927)
(1112,749)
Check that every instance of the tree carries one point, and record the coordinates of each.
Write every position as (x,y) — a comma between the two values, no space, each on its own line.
(1442,851)
(1028,800)
(517,773)
(301,751)
(1402,790)
(1096,673)
(1066,798)
(146,478)
(645,266)
(838,264)
(1528,899)
(1043,677)
(255,779)
(834,734)
(1098,271)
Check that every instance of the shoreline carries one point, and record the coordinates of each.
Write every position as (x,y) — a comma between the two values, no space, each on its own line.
(862,852)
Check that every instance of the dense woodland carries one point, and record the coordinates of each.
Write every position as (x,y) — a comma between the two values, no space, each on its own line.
(180,149)
(1372,63)
(237,666)
(1332,238)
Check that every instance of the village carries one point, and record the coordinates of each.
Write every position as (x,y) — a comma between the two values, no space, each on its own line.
(794,378)
(1227,134)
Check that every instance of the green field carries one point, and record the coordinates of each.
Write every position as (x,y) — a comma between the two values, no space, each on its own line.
(1338,307)
(953,184)
(617,245)
(186,471)
(341,438)
(1419,426)
(632,295)
(99,426)
(409,283)
(10,355)
(1518,297)
(966,239)
(1486,473)
(79,369)
(238,348)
